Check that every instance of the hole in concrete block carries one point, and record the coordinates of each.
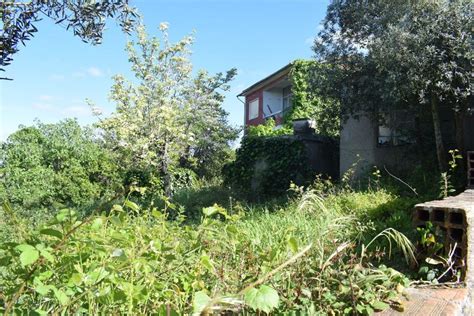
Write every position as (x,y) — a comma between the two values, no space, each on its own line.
(457,218)
(456,234)
(423,215)
(458,252)
(438,216)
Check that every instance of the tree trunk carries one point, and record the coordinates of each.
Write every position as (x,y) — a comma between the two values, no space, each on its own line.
(440,152)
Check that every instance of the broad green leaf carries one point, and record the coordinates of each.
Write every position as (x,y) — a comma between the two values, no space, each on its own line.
(293,244)
(76,279)
(97,223)
(131,205)
(42,289)
(200,302)
(207,263)
(209,211)
(52,232)
(29,254)
(47,255)
(61,296)
(264,299)
(379,305)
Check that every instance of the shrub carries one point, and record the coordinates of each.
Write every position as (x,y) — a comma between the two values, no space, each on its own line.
(50,166)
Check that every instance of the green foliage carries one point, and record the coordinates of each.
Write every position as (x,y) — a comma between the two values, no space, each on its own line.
(265,166)
(168,119)
(446,185)
(401,55)
(268,129)
(85,18)
(264,299)
(123,263)
(50,166)
(308,100)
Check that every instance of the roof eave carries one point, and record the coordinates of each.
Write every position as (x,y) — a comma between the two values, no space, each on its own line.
(261,83)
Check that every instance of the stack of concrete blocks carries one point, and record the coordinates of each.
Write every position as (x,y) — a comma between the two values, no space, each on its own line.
(455,217)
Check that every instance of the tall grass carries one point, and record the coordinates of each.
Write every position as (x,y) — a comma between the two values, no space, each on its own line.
(136,261)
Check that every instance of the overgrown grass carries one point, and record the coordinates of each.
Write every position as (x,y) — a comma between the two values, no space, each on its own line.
(303,256)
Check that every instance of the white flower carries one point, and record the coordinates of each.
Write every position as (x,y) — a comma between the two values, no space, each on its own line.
(96,110)
(164,26)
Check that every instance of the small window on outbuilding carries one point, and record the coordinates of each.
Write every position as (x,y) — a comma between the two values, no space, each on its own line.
(396,129)
(253,109)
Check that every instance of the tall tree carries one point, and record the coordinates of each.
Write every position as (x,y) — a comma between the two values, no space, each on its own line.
(86,19)
(167,117)
(401,53)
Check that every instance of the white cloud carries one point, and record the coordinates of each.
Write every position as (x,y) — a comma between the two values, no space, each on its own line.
(94,72)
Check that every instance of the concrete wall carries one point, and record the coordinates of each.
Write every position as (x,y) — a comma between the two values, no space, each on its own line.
(323,154)
(358,143)
(359,137)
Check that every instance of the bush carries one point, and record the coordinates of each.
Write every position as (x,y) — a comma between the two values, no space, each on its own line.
(50,166)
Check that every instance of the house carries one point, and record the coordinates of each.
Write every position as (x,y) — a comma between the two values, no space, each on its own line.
(363,142)
(268,98)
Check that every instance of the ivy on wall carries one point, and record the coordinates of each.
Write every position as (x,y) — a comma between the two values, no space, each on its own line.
(265,166)
(307,76)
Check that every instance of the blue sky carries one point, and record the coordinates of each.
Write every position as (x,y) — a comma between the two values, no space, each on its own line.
(55,72)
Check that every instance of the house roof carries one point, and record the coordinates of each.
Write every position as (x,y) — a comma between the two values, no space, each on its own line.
(265,81)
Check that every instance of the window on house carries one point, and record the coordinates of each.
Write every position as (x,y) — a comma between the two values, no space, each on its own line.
(287,98)
(396,129)
(253,109)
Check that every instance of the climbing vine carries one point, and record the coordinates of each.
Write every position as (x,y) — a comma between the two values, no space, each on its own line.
(308,100)
(266,166)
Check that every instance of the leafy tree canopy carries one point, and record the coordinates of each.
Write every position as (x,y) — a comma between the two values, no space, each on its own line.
(85,18)
(399,54)
(49,166)
(167,118)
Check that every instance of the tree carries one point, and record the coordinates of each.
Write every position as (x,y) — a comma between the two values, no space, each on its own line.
(86,19)
(167,118)
(400,54)
(49,166)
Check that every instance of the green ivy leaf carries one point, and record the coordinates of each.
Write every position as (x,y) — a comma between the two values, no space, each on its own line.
(264,299)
